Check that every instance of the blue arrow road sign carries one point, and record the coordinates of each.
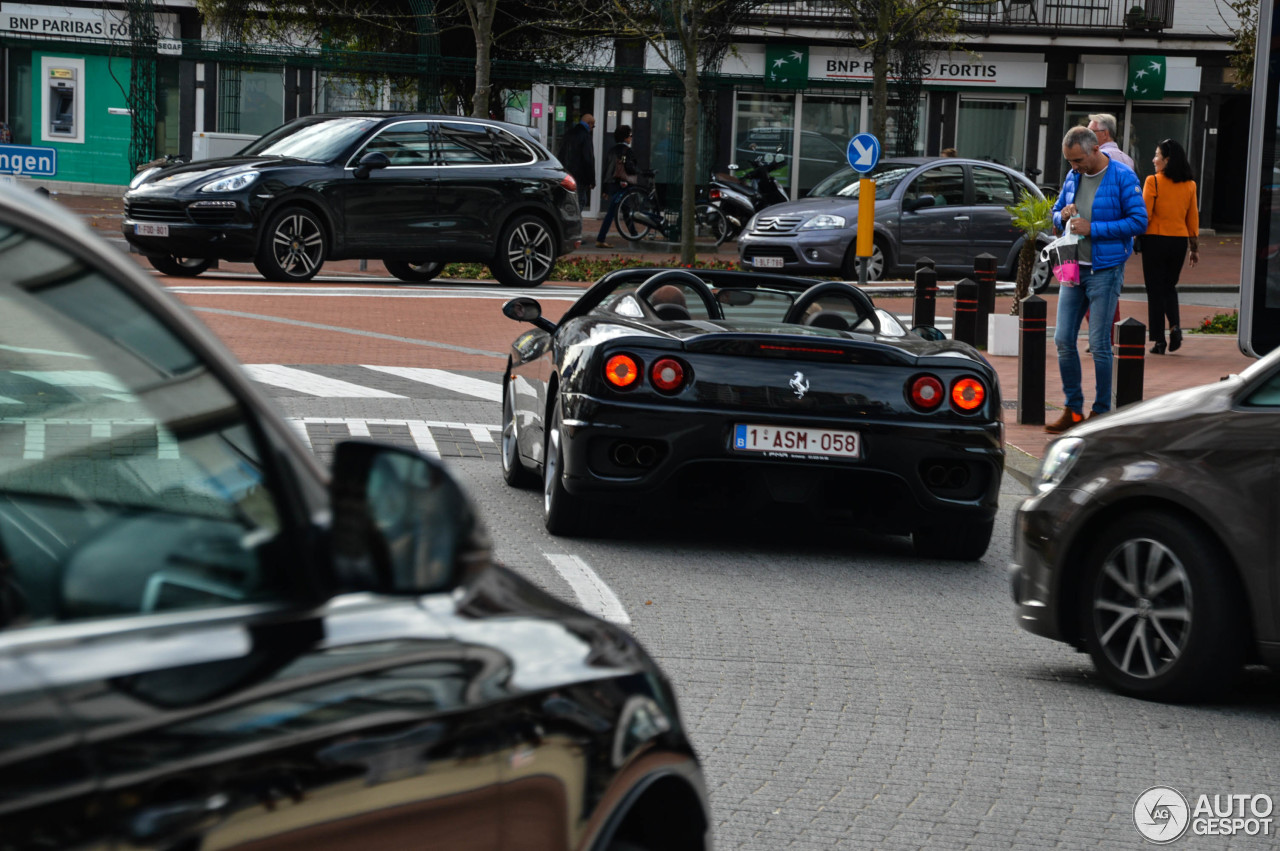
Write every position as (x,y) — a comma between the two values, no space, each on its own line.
(864,152)
(28,160)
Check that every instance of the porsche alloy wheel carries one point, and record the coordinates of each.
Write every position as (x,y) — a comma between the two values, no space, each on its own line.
(513,472)
(562,513)
(526,253)
(293,248)
(1159,611)
(413,273)
(179,267)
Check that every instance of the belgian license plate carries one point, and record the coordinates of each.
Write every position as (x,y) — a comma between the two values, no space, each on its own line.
(796,442)
(767,262)
(146,229)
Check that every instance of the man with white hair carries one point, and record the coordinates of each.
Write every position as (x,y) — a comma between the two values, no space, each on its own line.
(1103,125)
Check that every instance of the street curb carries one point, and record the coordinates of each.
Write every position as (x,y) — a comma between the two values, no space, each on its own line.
(1021,465)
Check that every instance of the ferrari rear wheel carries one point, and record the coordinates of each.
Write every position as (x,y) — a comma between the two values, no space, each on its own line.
(413,273)
(179,267)
(961,539)
(513,472)
(562,512)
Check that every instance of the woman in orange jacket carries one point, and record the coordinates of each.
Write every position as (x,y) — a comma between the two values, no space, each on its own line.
(1173,222)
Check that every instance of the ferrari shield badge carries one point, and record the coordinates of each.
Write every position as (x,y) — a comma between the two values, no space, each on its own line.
(799,384)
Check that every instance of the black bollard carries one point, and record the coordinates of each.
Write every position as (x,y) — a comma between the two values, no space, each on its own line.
(1032,328)
(924,263)
(984,272)
(1128,361)
(966,315)
(924,308)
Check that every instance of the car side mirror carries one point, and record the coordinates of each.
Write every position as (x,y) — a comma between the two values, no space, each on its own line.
(928,332)
(370,162)
(401,524)
(525,309)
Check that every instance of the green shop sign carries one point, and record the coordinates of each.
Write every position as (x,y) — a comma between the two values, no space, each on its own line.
(1146,78)
(786,66)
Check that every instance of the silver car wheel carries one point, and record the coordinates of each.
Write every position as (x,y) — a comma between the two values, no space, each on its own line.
(551,469)
(1142,608)
(530,252)
(1041,276)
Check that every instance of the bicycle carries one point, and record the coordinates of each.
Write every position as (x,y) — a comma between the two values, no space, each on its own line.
(639,214)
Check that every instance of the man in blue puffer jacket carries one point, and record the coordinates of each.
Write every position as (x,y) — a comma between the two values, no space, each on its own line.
(1101,201)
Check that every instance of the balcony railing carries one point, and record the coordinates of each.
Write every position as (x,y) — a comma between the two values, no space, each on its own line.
(1132,16)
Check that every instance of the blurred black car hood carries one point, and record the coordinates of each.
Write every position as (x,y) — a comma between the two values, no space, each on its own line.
(200,172)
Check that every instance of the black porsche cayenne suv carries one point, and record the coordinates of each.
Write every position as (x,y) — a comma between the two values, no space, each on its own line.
(415,191)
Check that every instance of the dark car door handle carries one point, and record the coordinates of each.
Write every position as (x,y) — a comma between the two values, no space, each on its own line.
(176,819)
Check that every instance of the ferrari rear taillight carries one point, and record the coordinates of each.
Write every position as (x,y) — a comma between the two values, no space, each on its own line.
(967,394)
(714,194)
(667,374)
(926,392)
(622,371)
(569,183)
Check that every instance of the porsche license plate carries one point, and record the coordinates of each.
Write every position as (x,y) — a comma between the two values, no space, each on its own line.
(797,442)
(147,229)
(767,262)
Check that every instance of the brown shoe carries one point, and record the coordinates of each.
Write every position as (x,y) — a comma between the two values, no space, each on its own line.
(1093,414)
(1064,422)
(600,243)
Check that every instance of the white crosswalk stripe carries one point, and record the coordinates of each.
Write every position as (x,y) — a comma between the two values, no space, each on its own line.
(311,383)
(490,390)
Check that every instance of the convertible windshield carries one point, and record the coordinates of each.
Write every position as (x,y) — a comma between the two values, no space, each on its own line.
(319,140)
(845,182)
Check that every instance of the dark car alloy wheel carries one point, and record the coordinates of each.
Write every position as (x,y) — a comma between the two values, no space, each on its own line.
(1160,612)
(526,253)
(413,273)
(179,267)
(875,268)
(513,473)
(562,512)
(293,246)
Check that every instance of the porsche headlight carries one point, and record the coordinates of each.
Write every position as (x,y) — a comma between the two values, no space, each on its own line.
(232,183)
(141,177)
(1058,461)
(825,221)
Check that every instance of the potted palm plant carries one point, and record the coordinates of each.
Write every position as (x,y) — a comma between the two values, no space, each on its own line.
(1032,215)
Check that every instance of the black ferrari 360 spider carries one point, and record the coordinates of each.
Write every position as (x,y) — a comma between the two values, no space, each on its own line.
(753,389)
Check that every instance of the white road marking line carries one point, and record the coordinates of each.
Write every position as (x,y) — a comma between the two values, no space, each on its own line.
(357,428)
(33,443)
(300,428)
(312,384)
(592,593)
(421,434)
(448,380)
(480,433)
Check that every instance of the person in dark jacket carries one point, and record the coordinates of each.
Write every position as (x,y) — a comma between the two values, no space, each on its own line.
(579,157)
(1101,201)
(611,183)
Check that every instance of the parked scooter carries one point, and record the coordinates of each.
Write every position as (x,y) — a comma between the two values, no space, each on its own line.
(741,198)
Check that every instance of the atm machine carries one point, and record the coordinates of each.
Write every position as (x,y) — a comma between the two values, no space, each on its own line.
(62,102)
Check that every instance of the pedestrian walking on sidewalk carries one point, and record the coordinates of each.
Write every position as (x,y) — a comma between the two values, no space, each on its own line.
(1173,223)
(578,157)
(1101,201)
(619,172)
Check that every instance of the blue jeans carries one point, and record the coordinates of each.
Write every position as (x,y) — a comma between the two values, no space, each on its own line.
(614,200)
(1098,292)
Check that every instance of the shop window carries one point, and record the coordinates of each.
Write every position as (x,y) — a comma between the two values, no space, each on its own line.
(252,101)
(826,126)
(19,99)
(1151,123)
(993,130)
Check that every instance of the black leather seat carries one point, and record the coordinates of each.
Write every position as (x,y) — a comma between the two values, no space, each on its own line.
(827,319)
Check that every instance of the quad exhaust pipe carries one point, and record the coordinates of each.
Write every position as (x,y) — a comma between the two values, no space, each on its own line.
(947,476)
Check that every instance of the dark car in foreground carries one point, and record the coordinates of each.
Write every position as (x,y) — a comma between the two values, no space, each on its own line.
(755,391)
(949,210)
(1152,539)
(415,191)
(208,641)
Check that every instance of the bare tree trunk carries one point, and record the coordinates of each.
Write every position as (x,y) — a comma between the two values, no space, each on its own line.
(481,13)
(880,73)
(688,251)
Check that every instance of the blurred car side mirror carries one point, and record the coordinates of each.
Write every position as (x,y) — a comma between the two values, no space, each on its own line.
(401,524)
(525,309)
(371,161)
